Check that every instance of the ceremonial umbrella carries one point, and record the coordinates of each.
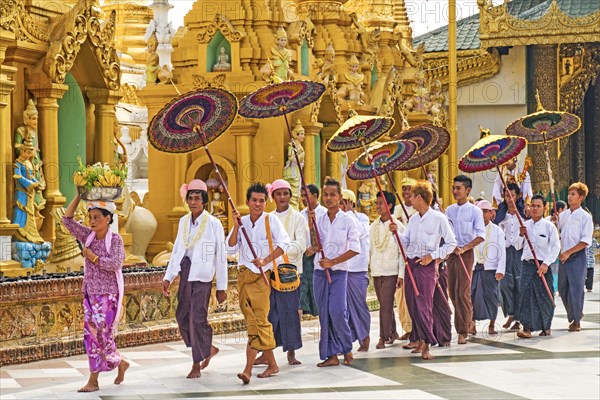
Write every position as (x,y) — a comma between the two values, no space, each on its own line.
(359,131)
(194,120)
(382,158)
(544,126)
(491,151)
(280,99)
(432,141)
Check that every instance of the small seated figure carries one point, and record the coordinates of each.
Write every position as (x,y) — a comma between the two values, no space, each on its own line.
(223,64)
(326,67)
(352,90)
(152,61)
(217,206)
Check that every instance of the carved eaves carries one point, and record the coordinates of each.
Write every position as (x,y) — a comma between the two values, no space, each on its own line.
(473,66)
(499,28)
(220,23)
(71,30)
(14,17)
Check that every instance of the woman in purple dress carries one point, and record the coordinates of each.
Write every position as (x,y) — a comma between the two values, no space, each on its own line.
(104,254)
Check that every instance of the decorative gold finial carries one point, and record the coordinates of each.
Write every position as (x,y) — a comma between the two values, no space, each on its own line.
(484,132)
(153,40)
(353,60)
(540,107)
(281,33)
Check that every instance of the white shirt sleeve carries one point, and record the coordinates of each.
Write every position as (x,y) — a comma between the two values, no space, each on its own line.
(554,247)
(587,229)
(501,243)
(220,258)
(497,192)
(353,236)
(172,269)
(297,247)
(449,240)
(478,223)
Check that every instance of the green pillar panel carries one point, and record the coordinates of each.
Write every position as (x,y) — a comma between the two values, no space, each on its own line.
(71,135)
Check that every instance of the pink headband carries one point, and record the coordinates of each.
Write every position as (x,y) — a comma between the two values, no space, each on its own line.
(196,184)
(278,184)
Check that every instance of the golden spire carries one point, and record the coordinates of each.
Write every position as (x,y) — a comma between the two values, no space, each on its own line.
(281,33)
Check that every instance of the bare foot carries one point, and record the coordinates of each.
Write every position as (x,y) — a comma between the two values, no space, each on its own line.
(524,335)
(462,339)
(473,328)
(195,372)
(444,344)
(426,355)
(348,358)
(291,357)
(574,327)
(410,346)
(380,344)
(516,326)
(491,330)
(365,344)
(403,337)
(508,322)
(89,387)
(244,378)
(262,360)
(547,332)
(123,366)
(270,371)
(331,361)
(213,352)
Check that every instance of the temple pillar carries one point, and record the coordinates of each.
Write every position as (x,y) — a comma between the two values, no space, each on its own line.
(104,101)
(333,159)
(8,266)
(313,131)
(543,76)
(47,95)
(244,131)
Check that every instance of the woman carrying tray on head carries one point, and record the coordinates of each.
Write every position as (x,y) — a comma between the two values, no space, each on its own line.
(104,254)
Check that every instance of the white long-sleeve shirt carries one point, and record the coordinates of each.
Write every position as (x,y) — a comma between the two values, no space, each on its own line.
(466,221)
(575,227)
(511,228)
(424,233)
(360,263)
(296,227)
(386,257)
(319,210)
(399,213)
(337,238)
(544,238)
(207,253)
(492,252)
(258,235)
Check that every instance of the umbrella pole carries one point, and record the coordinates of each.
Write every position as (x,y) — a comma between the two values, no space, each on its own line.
(408,269)
(535,259)
(398,196)
(550,178)
(312,221)
(233,208)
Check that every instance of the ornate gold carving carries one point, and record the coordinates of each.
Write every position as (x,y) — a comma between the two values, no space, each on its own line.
(300,31)
(393,92)
(220,23)
(71,30)
(15,18)
(130,96)
(499,28)
(579,66)
(201,82)
(473,66)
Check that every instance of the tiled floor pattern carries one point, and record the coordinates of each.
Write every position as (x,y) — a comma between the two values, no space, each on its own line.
(565,365)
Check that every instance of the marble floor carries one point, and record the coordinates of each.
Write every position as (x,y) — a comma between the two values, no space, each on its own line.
(562,366)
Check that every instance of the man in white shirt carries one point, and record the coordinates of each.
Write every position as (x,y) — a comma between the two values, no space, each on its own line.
(285,310)
(387,267)
(576,230)
(422,241)
(535,306)
(307,295)
(254,293)
(490,263)
(198,253)
(512,174)
(467,223)
(359,316)
(509,286)
(340,241)
(403,315)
